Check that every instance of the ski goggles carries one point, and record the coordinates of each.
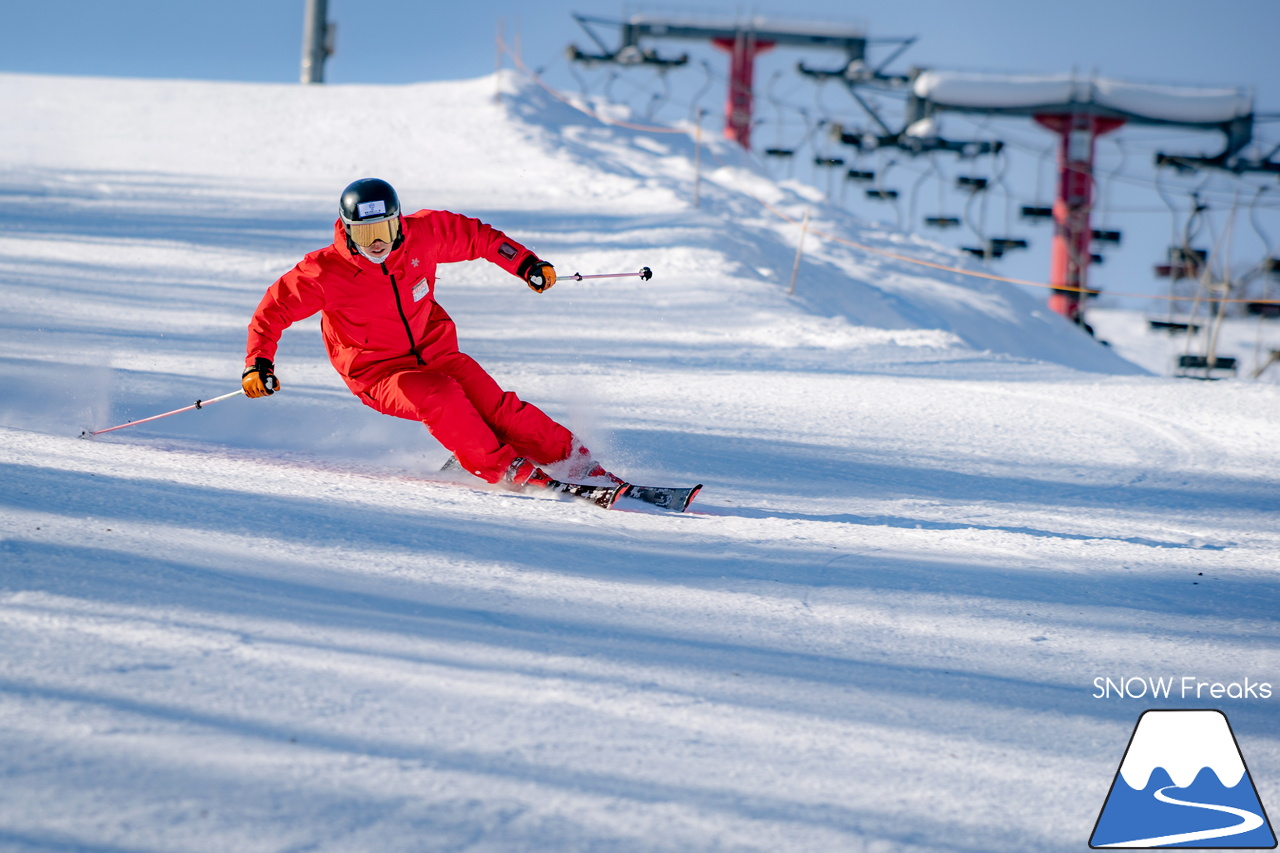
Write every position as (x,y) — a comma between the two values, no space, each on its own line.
(365,234)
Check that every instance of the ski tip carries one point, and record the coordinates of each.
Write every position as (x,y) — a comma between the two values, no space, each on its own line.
(618,493)
(693,493)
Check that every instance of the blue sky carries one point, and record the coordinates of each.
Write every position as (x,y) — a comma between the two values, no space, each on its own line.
(396,41)
(1180,42)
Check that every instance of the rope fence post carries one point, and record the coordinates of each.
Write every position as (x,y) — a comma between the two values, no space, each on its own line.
(697,160)
(795,268)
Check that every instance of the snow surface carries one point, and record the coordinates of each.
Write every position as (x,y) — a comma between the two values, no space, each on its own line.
(934,511)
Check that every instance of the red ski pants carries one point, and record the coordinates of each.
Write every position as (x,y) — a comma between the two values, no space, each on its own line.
(466,411)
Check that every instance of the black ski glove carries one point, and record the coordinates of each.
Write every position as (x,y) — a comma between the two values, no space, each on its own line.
(259,380)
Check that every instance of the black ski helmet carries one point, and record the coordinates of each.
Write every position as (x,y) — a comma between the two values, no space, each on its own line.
(369,200)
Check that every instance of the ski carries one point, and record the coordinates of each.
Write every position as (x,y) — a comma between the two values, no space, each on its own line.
(602,496)
(663,497)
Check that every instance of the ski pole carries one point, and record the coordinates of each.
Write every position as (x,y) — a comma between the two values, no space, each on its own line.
(199,404)
(645,273)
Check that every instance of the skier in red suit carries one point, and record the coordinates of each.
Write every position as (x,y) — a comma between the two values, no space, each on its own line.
(395,346)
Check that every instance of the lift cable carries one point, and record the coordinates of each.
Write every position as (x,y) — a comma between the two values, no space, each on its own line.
(785,217)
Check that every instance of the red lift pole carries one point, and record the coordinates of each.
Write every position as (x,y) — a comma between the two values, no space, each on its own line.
(739,101)
(1072,233)
(743,40)
(1079,111)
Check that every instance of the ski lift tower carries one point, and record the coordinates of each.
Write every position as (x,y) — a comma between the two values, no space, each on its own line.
(318,34)
(742,40)
(1079,110)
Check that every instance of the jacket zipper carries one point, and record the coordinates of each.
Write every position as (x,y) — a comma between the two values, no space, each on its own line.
(395,291)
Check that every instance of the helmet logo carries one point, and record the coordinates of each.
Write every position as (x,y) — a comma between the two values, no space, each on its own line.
(372,208)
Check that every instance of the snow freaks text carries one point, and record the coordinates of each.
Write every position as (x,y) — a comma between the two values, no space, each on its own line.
(1173,687)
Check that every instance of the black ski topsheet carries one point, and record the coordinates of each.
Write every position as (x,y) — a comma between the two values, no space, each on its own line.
(601,496)
(663,497)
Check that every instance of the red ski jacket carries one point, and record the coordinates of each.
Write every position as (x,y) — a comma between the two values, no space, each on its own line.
(380,318)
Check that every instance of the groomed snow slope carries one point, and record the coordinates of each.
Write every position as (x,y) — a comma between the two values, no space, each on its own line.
(934,512)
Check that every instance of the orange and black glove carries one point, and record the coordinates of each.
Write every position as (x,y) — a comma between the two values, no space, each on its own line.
(540,275)
(259,379)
